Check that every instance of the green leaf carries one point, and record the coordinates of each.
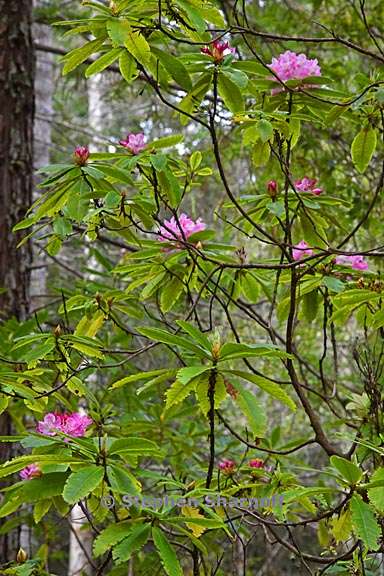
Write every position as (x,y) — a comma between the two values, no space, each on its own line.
(178,392)
(10,505)
(195,334)
(260,154)
(103,62)
(347,469)
(342,526)
(250,287)
(4,401)
(134,446)
(376,494)
(139,376)
(311,305)
(202,392)
(160,335)
(363,147)
(167,141)
(111,536)
(333,284)
(252,410)
(41,509)
(79,55)
(230,93)
(47,486)
(377,320)
(175,68)
(265,130)
(364,523)
(185,375)
(236,350)
(128,66)
(122,481)
(266,385)
(193,15)
(136,540)
(167,553)
(54,246)
(81,483)
(170,294)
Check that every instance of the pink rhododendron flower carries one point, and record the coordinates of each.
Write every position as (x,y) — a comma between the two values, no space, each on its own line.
(218,50)
(74,424)
(308,185)
(292,66)
(357,262)
(300,250)
(227,466)
(81,155)
(173,230)
(29,472)
(134,142)
(256,463)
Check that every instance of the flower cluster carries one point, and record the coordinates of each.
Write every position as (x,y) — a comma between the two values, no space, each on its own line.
(74,424)
(29,472)
(227,466)
(308,185)
(218,50)
(292,66)
(300,250)
(81,155)
(357,262)
(134,142)
(185,227)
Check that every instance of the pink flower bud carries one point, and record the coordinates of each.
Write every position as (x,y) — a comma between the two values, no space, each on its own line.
(272,187)
(81,155)
(227,466)
(218,50)
(256,463)
(29,472)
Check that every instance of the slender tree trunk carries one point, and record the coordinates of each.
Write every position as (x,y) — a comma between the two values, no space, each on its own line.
(16,177)
(44,90)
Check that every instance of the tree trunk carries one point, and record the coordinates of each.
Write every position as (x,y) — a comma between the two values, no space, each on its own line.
(44,90)
(16,151)
(16,175)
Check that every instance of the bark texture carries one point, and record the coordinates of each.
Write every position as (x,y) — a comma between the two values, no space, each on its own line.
(16,151)
(16,179)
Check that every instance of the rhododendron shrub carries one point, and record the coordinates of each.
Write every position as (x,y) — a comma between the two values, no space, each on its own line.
(214,322)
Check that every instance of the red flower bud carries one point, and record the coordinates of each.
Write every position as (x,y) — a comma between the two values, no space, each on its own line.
(272,188)
(81,155)
(256,463)
(227,466)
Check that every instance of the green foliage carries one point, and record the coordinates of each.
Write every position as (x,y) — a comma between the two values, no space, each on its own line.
(214,362)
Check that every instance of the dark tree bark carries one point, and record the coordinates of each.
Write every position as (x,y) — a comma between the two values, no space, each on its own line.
(16,175)
(16,151)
